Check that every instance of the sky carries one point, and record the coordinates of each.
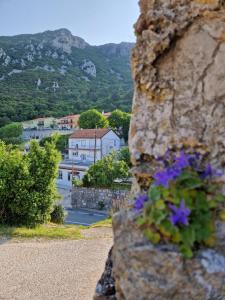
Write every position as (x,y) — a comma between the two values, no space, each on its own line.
(97,21)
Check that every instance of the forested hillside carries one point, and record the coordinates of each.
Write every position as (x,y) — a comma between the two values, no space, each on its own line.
(55,73)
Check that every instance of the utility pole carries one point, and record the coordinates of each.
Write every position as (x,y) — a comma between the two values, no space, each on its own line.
(95,146)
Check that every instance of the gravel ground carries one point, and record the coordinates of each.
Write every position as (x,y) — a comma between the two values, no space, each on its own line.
(53,269)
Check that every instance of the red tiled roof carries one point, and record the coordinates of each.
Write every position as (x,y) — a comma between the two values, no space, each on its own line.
(70,116)
(90,133)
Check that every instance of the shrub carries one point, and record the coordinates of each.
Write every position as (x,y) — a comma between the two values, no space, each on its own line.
(105,171)
(182,203)
(27,184)
(101,205)
(58,214)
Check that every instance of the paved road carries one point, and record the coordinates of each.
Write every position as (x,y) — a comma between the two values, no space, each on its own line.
(53,270)
(84,217)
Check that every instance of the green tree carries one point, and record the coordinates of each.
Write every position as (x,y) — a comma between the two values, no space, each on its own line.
(61,141)
(91,119)
(120,122)
(27,184)
(11,133)
(124,155)
(105,171)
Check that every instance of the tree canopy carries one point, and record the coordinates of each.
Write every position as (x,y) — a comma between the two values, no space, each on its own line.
(11,133)
(120,122)
(93,119)
(105,171)
(27,184)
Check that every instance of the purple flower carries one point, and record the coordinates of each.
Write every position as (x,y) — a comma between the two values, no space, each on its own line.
(210,172)
(182,161)
(164,177)
(139,202)
(179,215)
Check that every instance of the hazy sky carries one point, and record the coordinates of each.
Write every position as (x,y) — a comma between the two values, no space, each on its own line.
(97,21)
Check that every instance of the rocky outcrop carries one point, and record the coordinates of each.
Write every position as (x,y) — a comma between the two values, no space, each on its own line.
(179,74)
(105,289)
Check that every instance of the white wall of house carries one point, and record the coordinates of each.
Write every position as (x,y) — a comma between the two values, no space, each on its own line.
(110,142)
(65,177)
(83,149)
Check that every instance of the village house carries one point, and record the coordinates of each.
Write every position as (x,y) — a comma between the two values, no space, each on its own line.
(68,122)
(86,146)
(40,123)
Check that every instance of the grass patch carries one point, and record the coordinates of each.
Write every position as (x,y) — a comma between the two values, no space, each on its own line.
(104,223)
(48,231)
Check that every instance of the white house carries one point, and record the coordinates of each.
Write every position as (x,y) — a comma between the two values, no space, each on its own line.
(86,146)
(90,145)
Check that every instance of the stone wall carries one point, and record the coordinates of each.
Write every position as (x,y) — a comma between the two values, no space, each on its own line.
(92,198)
(179,73)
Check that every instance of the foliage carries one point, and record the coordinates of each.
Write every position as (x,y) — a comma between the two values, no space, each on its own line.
(124,155)
(120,122)
(182,203)
(11,133)
(104,223)
(77,182)
(101,205)
(92,119)
(46,231)
(61,141)
(20,99)
(58,214)
(105,171)
(27,184)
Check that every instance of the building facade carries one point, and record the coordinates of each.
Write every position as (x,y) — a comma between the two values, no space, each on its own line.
(68,122)
(90,145)
(86,146)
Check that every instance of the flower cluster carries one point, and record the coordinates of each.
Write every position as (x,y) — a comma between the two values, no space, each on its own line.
(181,203)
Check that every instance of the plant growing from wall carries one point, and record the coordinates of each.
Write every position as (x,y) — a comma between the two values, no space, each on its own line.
(182,203)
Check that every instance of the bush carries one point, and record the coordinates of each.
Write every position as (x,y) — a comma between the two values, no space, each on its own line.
(27,184)
(105,171)
(58,214)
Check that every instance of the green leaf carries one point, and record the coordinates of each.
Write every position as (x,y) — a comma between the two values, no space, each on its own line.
(188,236)
(158,216)
(190,180)
(186,251)
(141,221)
(152,236)
(154,193)
(160,204)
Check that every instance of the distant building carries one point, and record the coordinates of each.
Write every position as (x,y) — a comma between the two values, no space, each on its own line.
(86,146)
(68,122)
(92,144)
(106,114)
(40,123)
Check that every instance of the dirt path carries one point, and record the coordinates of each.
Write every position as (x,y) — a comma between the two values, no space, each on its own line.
(53,269)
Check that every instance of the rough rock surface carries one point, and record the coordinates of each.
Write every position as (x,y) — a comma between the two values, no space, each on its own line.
(105,289)
(179,74)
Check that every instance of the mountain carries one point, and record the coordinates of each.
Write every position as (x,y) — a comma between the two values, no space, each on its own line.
(56,73)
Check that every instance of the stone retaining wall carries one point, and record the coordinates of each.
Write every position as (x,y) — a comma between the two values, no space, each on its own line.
(96,198)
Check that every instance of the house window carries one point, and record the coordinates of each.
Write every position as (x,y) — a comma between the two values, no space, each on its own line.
(60,175)
(83,156)
(75,153)
(69,176)
(83,143)
(114,142)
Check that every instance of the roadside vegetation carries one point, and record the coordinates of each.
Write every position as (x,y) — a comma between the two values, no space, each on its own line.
(46,231)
